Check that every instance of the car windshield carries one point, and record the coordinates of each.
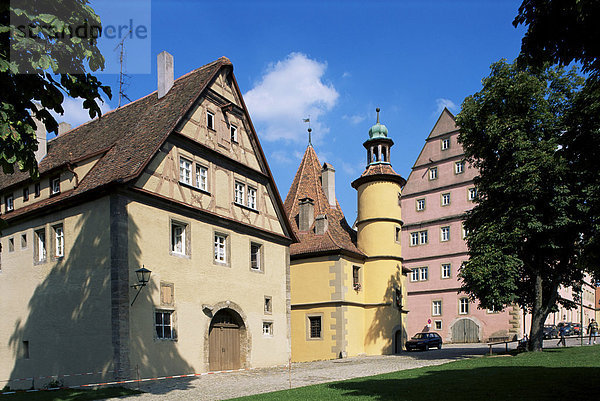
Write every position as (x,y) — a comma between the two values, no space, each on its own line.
(419,335)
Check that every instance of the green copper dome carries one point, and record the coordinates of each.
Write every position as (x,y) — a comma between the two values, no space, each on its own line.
(378,130)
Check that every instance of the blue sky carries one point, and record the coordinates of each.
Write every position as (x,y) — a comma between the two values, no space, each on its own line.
(334,60)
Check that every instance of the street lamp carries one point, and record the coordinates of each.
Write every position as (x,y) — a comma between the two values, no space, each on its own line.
(143,276)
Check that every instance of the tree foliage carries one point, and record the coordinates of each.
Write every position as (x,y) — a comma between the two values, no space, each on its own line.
(527,232)
(47,47)
(561,31)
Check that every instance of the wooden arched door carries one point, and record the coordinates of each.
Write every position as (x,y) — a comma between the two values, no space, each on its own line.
(465,331)
(224,341)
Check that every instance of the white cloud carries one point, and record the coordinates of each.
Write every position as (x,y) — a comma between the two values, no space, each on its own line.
(75,114)
(289,91)
(449,104)
(346,74)
(354,119)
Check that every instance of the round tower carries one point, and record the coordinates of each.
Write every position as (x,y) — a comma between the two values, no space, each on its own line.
(379,225)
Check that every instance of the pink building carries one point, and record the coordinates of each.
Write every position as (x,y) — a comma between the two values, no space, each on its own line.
(437,194)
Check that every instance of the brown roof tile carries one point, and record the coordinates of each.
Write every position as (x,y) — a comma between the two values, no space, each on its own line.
(374,171)
(339,236)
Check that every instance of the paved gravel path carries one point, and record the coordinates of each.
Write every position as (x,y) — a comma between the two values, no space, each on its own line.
(229,385)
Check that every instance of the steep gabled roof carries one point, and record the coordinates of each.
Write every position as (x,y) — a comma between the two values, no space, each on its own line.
(444,124)
(339,236)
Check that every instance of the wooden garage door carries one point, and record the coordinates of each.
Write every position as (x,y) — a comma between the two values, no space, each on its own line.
(465,331)
(224,343)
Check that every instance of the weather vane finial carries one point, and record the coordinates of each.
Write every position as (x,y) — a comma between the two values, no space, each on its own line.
(378,110)
(309,137)
(307,120)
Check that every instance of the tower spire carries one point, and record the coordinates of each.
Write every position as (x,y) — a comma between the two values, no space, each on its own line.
(309,137)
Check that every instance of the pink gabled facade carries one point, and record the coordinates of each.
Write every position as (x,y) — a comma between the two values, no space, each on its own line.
(434,201)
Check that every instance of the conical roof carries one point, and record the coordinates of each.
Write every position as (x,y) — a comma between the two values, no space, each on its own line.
(307,184)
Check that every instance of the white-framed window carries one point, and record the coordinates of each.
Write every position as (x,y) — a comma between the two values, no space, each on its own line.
(459,167)
(420,205)
(185,171)
(465,232)
(438,324)
(239,193)
(251,197)
(315,326)
(445,234)
(201,177)
(210,120)
(419,274)
(163,323)
(472,194)
(268,329)
(54,185)
(463,306)
(423,237)
(59,241)
(446,199)
(446,270)
(9,202)
(234,133)
(220,248)
(445,143)
(255,259)
(436,308)
(40,246)
(178,240)
(433,173)
(414,239)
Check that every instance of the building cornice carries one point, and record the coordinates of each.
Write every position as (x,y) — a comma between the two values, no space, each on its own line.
(310,305)
(436,291)
(444,219)
(436,189)
(438,256)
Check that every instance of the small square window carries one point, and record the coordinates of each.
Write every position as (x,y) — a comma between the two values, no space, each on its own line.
(459,167)
(201,177)
(398,234)
(163,324)
(220,248)
(268,329)
(185,171)
(23,241)
(438,324)
(11,244)
(255,259)
(436,308)
(445,199)
(25,194)
(54,185)
(37,189)
(356,278)
(239,193)
(445,143)
(210,120)
(472,194)
(234,133)
(445,234)
(9,203)
(446,270)
(463,306)
(420,205)
(59,241)
(178,238)
(315,326)
(433,173)
(268,305)
(251,198)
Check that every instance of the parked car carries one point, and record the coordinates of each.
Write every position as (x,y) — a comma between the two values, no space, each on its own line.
(550,331)
(567,326)
(576,328)
(424,341)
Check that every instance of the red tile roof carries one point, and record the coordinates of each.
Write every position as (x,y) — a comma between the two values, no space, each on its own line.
(339,236)
(378,171)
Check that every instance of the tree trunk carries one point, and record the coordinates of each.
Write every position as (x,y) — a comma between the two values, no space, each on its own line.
(538,317)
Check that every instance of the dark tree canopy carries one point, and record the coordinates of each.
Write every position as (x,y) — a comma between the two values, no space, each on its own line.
(47,47)
(561,31)
(526,232)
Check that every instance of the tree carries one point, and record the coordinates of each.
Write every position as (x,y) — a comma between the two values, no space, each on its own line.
(46,50)
(526,230)
(561,31)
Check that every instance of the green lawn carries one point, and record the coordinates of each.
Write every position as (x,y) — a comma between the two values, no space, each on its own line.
(69,395)
(559,374)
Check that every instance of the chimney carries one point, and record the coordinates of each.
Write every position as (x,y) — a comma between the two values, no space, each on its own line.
(63,127)
(321,224)
(166,73)
(306,215)
(328,183)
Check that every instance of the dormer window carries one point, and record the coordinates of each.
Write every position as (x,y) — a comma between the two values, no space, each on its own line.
(9,203)
(54,185)
(210,120)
